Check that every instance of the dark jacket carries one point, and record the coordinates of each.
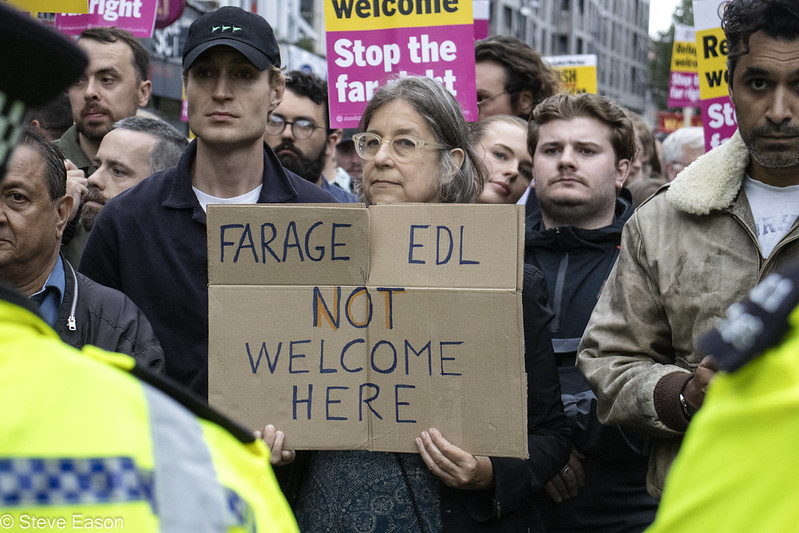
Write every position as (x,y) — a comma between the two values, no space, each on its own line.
(576,262)
(74,238)
(150,243)
(106,318)
(507,505)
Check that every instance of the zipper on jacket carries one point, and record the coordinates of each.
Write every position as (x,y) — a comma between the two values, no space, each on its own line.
(71,323)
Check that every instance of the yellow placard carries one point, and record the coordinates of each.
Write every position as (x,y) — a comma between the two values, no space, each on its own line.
(711,55)
(353,15)
(683,57)
(576,80)
(51,6)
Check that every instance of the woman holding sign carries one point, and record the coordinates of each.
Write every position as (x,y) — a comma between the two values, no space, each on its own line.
(502,141)
(415,146)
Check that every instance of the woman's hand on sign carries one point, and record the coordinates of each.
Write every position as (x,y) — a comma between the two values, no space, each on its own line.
(274,440)
(455,467)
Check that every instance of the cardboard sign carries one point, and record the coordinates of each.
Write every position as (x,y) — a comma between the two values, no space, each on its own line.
(370,42)
(718,113)
(683,78)
(356,328)
(577,72)
(136,16)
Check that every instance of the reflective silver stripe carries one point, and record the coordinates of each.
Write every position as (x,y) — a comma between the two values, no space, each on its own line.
(188,496)
(565,345)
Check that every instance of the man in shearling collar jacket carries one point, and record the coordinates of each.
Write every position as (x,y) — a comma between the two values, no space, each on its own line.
(694,248)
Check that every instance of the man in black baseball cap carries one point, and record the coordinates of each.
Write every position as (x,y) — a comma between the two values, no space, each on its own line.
(233,82)
(246,32)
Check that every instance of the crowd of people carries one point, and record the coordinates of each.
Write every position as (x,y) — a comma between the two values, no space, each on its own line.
(631,254)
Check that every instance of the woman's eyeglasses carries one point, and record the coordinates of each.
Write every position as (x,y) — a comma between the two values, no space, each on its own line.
(403,147)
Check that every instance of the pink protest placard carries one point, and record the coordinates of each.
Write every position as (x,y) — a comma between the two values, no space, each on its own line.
(136,16)
(719,121)
(361,61)
(684,76)
(683,89)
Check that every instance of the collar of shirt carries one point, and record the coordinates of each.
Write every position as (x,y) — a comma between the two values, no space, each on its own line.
(51,297)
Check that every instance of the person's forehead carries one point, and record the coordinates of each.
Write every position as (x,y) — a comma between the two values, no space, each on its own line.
(490,72)
(577,129)
(777,56)
(26,168)
(398,116)
(104,55)
(296,105)
(506,131)
(121,142)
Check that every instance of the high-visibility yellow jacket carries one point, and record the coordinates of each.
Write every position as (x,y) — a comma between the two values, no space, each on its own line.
(736,470)
(88,440)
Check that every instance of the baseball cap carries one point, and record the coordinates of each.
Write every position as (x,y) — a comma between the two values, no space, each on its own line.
(231,26)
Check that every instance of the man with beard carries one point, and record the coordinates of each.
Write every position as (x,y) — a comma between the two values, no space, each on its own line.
(113,87)
(136,148)
(694,248)
(582,147)
(298,132)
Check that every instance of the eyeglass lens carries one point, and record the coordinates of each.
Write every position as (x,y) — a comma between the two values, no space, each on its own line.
(300,129)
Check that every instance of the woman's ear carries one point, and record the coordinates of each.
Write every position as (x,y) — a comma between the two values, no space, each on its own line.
(457,156)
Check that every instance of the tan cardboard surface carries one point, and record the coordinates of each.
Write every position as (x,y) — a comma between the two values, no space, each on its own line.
(446,245)
(258,245)
(371,365)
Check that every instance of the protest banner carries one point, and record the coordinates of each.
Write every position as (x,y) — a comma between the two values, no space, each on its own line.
(359,328)
(136,16)
(683,78)
(51,6)
(668,122)
(718,113)
(372,41)
(577,72)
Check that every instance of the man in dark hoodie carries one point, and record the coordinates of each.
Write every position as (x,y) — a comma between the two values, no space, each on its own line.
(582,147)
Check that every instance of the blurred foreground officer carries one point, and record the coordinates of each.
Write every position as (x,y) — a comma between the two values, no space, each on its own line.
(83,442)
(736,471)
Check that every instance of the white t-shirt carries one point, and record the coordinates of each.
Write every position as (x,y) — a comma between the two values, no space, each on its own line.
(246,198)
(774,210)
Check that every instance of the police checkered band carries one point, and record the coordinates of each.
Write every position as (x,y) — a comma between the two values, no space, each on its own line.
(240,513)
(67,481)
(11,114)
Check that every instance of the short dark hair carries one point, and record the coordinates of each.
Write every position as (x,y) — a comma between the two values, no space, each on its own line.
(524,68)
(779,19)
(55,172)
(141,58)
(602,108)
(169,143)
(55,115)
(310,86)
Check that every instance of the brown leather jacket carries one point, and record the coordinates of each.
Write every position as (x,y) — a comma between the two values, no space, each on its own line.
(686,254)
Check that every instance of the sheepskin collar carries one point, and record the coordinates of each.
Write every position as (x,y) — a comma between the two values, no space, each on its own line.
(713,181)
